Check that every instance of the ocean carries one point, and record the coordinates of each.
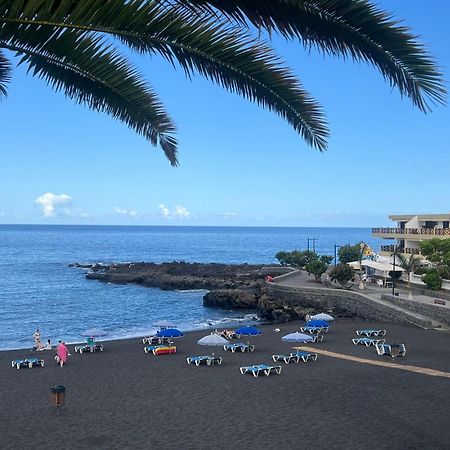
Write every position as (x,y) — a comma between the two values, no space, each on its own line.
(39,290)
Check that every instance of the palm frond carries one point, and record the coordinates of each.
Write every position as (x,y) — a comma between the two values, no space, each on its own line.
(5,75)
(355,28)
(226,56)
(90,72)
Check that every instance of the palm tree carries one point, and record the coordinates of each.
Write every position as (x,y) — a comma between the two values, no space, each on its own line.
(408,263)
(76,46)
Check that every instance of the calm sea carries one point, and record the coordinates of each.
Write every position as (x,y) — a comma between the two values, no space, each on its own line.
(39,290)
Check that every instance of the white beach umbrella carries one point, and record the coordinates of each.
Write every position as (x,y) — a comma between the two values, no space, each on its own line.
(164,324)
(213,340)
(322,316)
(95,332)
(298,337)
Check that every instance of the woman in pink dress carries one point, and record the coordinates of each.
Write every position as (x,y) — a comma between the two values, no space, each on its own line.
(62,353)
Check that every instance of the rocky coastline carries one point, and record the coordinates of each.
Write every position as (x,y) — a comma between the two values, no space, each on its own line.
(231,286)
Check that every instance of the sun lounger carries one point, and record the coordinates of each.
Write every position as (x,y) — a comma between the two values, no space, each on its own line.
(391,349)
(314,330)
(367,341)
(27,362)
(295,357)
(160,349)
(89,348)
(318,338)
(370,333)
(258,368)
(152,340)
(208,360)
(239,346)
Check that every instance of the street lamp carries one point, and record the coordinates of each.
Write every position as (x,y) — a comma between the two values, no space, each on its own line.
(393,272)
(335,253)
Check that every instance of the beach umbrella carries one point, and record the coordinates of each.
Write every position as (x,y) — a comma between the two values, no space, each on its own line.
(318,323)
(298,337)
(162,324)
(248,331)
(169,333)
(322,316)
(95,332)
(214,340)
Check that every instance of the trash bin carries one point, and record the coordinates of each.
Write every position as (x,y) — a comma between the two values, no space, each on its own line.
(58,394)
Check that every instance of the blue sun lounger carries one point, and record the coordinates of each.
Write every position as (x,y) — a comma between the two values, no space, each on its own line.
(208,360)
(27,362)
(314,330)
(296,357)
(391,350)
(239,346)
(151,348)
(367,341)
(371,333)
(90,346)
(154,340)
(258,368)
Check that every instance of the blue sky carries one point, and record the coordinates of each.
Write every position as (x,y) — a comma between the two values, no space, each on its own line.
(240,164)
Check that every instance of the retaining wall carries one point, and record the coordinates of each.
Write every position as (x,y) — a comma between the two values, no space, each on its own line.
(437,312)
(340,301)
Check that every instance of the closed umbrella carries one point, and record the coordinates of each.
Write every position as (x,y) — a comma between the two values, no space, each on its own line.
(298,337)
(322,316)
(318,323)
(94,332)
(213,340)
(248,331)
(169,333)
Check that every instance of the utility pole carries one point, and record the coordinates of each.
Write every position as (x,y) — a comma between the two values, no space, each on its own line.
(393,272)
(313,240)
(335,253)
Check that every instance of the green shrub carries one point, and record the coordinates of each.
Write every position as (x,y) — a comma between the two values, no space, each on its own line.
(342,273)
(432,279)
(348,253)
(317,268)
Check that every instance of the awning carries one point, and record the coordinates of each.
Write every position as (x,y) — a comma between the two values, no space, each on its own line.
(383,267)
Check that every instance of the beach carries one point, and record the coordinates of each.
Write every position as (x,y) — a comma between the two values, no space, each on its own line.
(123,398)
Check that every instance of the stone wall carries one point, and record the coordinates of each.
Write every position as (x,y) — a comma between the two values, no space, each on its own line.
(338,301)
(436,312)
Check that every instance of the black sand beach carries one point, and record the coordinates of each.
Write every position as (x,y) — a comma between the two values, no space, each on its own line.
(125,399)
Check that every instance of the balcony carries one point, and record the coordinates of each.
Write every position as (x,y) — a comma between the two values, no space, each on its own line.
(408,251)
(428,232)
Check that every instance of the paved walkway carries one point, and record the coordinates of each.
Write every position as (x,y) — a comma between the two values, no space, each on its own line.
(301,279)
(391,365)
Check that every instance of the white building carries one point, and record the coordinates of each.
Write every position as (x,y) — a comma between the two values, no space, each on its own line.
(410,230)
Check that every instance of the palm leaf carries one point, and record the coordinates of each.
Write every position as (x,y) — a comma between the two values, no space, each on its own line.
(354,28)
(89,72)
(226,56)
(5,75)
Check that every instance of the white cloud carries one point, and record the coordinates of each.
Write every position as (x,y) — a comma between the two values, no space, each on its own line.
(181,211)
(178,212)
(53,204)
(125,212)
(164,210)
(229,215)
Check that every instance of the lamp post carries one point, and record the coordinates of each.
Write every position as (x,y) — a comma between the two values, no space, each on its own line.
(335,253)
(393,272)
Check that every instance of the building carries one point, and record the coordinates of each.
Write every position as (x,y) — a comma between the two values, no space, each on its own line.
(411,230)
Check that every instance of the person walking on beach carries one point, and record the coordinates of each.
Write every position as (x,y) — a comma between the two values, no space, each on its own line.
(62,353)
(37,340)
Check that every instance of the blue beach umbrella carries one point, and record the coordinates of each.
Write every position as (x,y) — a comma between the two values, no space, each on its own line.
(318,323)
(169,333)
(298,337)
(248,331)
